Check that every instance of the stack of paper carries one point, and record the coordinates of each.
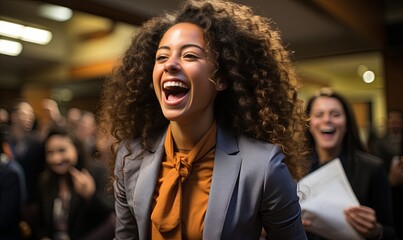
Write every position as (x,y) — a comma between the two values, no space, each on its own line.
(324,194)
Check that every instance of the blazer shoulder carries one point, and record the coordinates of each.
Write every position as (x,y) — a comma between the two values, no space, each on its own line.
(131,153)
(134,149)
(368,162)
(257,146)
(260,156)
(129,148)
(368,159)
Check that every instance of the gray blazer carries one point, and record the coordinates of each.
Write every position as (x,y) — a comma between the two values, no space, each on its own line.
(251,188)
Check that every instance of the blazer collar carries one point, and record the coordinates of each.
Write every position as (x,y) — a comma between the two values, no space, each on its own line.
(227,164)
(145,186)
(226,169)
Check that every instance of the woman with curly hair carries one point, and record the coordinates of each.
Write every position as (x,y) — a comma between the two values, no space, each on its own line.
(208,128)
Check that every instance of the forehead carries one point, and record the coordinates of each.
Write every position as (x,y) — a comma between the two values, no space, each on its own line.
(181,32)
(326,103)
(59,139)
(23,106)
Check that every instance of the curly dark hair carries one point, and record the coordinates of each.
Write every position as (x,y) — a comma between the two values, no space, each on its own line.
(261,99)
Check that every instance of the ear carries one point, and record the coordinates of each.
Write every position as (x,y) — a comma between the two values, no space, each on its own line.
(221,85)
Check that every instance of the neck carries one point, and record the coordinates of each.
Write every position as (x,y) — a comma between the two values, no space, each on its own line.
(326,155)
(186,136)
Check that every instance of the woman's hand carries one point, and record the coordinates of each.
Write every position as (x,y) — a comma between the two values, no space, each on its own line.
(307,219)
(83,182)
(363,220)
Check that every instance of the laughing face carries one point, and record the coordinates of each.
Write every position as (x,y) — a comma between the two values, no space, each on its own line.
(61,154)
(181,75)
(327,124)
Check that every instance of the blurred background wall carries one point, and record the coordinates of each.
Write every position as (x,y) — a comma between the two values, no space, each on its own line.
(334,43)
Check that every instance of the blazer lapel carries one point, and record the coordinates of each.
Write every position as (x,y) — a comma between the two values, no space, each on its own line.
(145,186)
(227,164)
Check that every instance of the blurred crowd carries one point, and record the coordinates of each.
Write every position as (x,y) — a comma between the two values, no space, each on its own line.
(54,179)
(52,184)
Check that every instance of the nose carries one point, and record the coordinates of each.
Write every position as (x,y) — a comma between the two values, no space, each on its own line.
(327,117)
(54,157)
(172,65)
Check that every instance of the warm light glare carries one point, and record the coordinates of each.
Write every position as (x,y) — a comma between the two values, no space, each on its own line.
(10,48)
(29,34)
(368,76)
(56,13)
(36,35)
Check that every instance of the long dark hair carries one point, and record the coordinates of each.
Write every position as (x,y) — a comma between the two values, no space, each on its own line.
(351,140)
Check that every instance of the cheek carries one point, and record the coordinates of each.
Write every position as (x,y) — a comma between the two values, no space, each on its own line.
(313,125)
(73,157)
(157,73)
(343,128)
(204,82)
(49,159)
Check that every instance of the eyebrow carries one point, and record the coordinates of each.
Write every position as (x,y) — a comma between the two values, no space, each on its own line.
(184,46)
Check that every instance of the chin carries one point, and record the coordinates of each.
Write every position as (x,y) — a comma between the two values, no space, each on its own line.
(173,115)
(60,171)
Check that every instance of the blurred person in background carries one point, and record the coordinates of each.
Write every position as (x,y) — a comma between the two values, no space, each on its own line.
(73,116)
(86,130)
(390,149)
(27,149)
(4,116)
(10,190)
(8,157)
(333,133)
(52,117)
(389,146)
(71,192)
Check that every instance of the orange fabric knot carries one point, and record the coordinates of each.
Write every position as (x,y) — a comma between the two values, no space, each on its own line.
(183,167)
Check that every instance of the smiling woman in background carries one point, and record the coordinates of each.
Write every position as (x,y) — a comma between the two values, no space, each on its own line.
(333,133)
(72,201)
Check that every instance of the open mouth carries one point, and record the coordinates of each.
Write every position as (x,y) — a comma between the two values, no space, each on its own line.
(175,90)
(328,130)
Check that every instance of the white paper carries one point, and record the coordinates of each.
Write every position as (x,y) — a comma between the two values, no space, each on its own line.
(324,194)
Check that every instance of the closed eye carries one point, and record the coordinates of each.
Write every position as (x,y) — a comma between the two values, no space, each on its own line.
(190,56)
(161,58)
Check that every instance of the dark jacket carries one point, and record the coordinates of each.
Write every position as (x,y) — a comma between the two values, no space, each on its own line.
(84,216)
(10,203)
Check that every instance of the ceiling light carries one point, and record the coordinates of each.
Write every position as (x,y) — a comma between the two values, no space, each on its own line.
(54,12)
(10,48)
(10,29)
(36,35)
(29,34)
(368,76)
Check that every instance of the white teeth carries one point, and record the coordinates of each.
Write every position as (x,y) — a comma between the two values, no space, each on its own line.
(174,84)
(327,129)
